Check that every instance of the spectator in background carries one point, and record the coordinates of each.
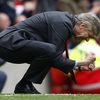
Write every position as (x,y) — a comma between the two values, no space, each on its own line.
(47,5)
(7,6)
(3,78)
(19,6)
(4,21)
(72,6)
(96,8)
(3,1)
(30,7)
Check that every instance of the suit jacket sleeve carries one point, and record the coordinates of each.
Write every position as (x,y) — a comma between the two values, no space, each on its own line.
(58,34)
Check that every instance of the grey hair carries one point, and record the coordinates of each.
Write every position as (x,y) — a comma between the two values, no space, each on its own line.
(91,21)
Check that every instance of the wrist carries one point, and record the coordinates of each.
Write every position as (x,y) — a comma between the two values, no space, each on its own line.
(82,63)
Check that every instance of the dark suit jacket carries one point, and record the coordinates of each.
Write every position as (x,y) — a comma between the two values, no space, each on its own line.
(51,27)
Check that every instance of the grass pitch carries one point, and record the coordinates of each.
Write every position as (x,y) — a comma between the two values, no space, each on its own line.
(51,97)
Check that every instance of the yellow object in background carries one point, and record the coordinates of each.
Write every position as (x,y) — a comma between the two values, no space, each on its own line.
(80,51)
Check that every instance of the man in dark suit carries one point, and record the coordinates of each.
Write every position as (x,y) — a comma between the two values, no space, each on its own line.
(40,41)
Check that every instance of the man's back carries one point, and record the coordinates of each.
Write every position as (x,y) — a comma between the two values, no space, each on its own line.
(46,23)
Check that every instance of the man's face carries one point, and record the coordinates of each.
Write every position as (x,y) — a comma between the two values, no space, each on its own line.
(82,33)
(84,36)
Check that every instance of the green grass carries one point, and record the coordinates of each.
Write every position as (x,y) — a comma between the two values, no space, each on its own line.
(50,97)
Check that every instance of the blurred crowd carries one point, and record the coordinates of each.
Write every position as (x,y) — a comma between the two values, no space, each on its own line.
(15,11)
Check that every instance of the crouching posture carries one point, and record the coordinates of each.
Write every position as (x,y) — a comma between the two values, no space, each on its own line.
(40,41)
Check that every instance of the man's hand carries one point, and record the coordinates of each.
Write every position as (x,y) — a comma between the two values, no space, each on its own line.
(88,63)
(87,68)
(90,58)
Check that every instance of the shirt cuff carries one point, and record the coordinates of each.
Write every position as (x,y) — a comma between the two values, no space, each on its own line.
(76,63)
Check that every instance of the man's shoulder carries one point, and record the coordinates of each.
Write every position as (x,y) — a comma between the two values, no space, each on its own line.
(57,15)
(56,12)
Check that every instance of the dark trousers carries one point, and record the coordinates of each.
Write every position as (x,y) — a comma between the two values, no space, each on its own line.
(38,54)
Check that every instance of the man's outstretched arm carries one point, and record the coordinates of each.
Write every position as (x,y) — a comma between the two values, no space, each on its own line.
(67,65)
